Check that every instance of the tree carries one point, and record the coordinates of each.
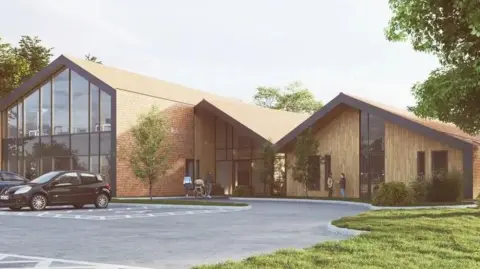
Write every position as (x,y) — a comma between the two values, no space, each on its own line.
(92,58)
(294,97)
(150,150)
(18,64)
(449,29)
(306,146)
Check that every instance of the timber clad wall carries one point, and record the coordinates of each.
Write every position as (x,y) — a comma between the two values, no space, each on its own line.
(205,142)
(401,147)
(180,119)
(340,139)
(476,173)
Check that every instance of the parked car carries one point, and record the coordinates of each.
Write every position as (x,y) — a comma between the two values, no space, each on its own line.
(9,179)
(75,188)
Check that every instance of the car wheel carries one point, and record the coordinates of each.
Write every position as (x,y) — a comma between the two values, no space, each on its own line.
(101,201)
(15,208)
(78,206)
(38,202)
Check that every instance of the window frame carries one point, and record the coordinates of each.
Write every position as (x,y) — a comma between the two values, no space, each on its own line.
(314,184)
(433,170)
(421,169)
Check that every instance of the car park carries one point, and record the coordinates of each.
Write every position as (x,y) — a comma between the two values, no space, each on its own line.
(76,188)
(9,179)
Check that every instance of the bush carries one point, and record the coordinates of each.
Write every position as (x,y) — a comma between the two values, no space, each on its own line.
(478,200)
(420,188)
(447,188)
(393,194)
(218,190)
(242,191)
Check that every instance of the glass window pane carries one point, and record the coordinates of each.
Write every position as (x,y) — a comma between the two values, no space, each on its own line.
(79,118)
(220,154)
(31,168)
(46,112)
(46,146)
(61,163)
(47,165)
(105,167)
(12,115)
(61,103)
(105,143)
(10,148)
(31,147)
(32,114)
(61,145)
(220,134)
(94,144)
(80,163)
(105,111)
(20,119)
(94,108)
(94,164)
(80,144)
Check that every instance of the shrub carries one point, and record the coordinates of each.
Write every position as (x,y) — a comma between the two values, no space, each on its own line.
(420,188)
(447,188)
(242,191)
(478,200)
(218,190)
(393,194)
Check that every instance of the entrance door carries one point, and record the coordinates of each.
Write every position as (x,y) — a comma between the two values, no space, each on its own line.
(242,173)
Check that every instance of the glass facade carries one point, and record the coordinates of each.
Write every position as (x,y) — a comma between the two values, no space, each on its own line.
(372,154)
(64,124)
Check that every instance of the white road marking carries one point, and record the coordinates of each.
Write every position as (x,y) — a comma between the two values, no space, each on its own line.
(29,262)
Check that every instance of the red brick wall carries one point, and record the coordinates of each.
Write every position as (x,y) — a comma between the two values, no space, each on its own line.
(180,119)
(476,173)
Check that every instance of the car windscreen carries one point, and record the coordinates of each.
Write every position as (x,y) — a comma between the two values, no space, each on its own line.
(45,177)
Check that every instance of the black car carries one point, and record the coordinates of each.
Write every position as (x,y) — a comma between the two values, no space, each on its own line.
(75,188)
(9,179)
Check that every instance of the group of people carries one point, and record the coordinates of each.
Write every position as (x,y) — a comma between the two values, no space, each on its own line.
(342,183)
(188,184)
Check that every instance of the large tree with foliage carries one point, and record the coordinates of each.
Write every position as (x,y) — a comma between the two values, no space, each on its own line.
(19,63)
(294,97)
(148,158)
(306,146)
(449,29)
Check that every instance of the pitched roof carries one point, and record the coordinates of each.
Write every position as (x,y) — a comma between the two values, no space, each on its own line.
(444,132)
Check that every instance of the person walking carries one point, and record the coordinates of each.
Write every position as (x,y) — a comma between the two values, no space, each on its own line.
(209,182)
(343,185)
(187,183)
(330,185)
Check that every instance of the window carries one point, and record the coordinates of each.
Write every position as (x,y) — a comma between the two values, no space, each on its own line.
(189,168)
(79,103)
(80,144)
(71,178)
(94,108)
(105,112)
(421,163)
(439,163)
(328,169)
(314,172)
(6,176)
(80,163)
(46,109)
(12,115)
(61,163)
(61,145)
(61,103)
(88,178)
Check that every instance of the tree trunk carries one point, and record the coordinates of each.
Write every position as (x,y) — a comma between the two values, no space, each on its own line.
(306,189)
(150,190)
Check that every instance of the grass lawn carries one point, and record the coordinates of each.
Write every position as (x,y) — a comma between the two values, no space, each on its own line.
(176,202)
(425,238)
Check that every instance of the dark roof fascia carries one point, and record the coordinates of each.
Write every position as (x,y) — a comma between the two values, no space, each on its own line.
(47,71)
(377,111)
(204,104)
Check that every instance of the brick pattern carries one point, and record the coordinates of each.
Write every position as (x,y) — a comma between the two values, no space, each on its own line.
(476,173)
(180,143)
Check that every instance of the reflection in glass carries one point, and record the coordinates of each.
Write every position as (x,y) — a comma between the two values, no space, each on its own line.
(12,122)
(46,109)
(32,114)
(45,146)
(61,145)
(47,165)
(105,167)
(94,144)
(105,111)
(94,108)
(81,163)
(79,119)
(105,142)
(94,164)
(32,168)
(80,144)
(61,104)
(61,163)
(30,146)
(20,119)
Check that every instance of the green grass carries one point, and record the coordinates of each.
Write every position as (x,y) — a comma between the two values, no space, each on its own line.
(425,238)
(175,202)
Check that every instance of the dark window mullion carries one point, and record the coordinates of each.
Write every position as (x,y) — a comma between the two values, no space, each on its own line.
(89,125)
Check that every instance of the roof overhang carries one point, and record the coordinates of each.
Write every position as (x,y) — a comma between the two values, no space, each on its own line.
(44,74)
(204,104)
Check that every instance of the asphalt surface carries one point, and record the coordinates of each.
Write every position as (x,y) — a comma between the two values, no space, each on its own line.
(170,237)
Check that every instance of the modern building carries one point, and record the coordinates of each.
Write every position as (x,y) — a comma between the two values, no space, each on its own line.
(372,143)
(76,114)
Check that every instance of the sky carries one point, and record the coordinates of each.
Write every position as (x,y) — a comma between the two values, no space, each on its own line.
(231,47)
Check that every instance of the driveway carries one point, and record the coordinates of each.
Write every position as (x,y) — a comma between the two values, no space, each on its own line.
(167,237)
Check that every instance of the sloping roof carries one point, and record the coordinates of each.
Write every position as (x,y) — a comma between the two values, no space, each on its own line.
(267,123)
(444,132)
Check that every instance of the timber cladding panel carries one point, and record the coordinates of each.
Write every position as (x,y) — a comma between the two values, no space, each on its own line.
(205,142)
(340,139)
(401,147)
(180,120)
(476,173)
